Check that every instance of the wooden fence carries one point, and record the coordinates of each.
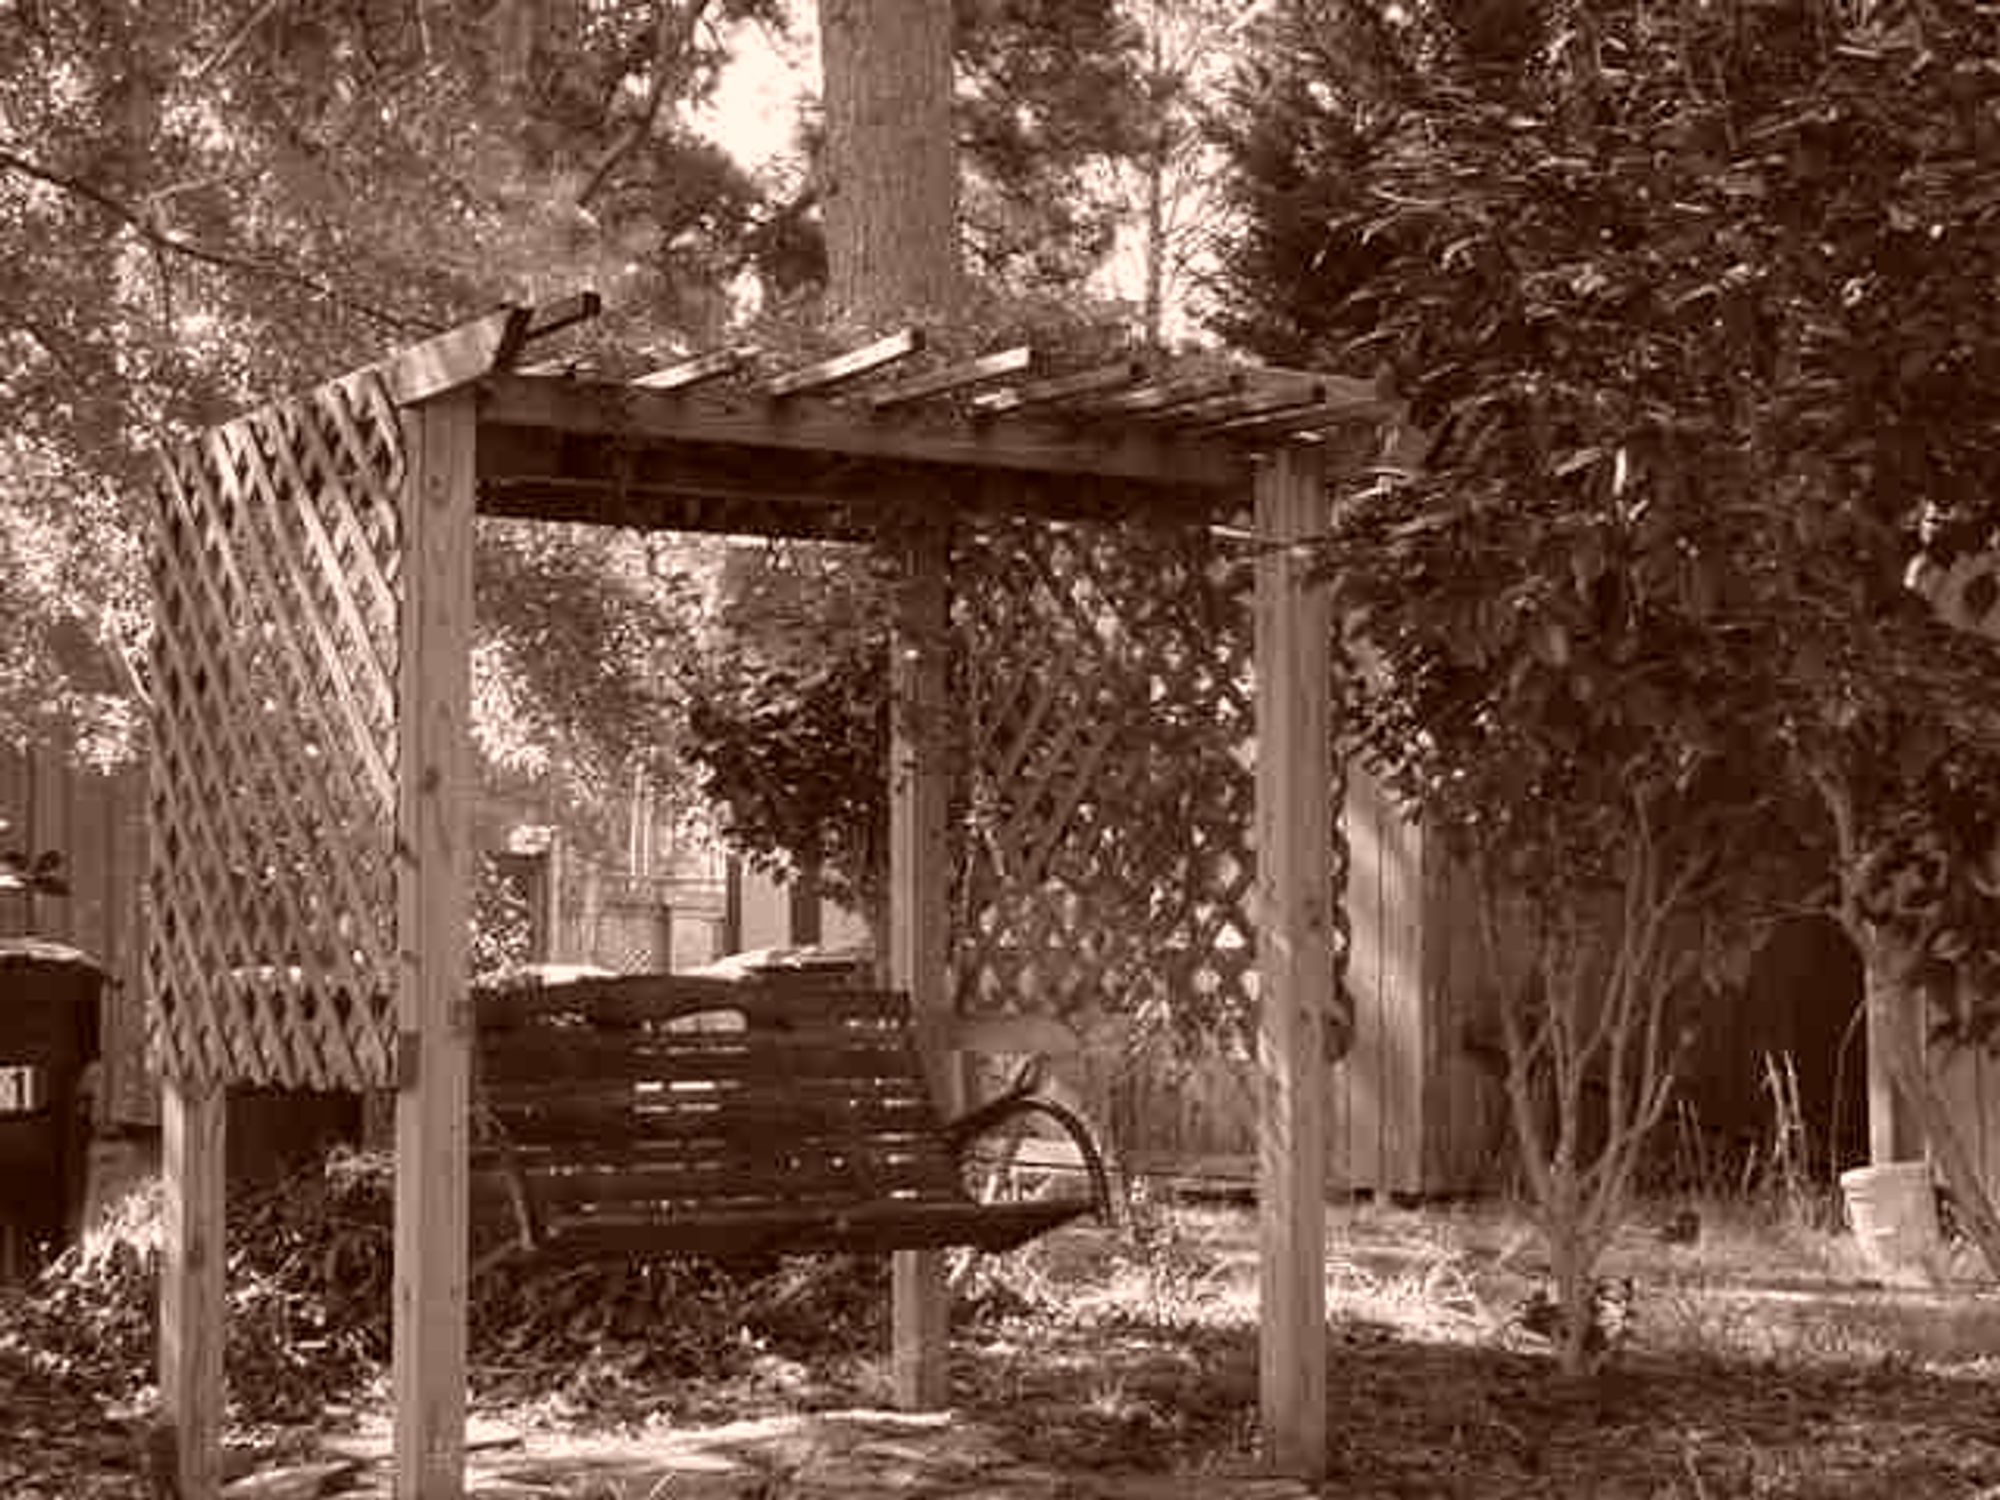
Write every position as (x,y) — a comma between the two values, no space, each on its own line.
(1412,1112)
(97,822)
(634,924)
(1417,1104)
(1972,1090)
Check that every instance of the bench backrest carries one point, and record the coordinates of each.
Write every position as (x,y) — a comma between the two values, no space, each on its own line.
(670,1095)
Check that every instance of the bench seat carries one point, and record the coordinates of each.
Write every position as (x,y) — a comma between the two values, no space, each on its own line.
(638,1115)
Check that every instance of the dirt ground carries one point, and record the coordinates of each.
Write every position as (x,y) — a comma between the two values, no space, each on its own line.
(1757,1362)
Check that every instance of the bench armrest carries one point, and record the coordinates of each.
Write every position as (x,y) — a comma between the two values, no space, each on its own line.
(527,1217)
(1020,1100)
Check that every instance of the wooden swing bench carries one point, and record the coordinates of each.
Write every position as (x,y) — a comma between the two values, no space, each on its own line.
(652,1115)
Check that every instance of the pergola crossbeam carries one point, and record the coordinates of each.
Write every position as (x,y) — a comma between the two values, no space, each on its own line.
(1301,421)
(476,349)
(637,418)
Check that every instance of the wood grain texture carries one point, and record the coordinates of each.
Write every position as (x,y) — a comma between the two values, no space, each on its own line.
(756,1231)
(1004,442)
(1406,1009)
(433,878)
(276,573)
(193,1305)
(799,1132)
(920,928)
(1294,951)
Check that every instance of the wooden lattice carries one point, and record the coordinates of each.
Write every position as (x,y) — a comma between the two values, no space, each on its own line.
(1104,678)
(272,939)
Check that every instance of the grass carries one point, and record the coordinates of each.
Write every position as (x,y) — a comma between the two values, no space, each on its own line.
(1756,1363)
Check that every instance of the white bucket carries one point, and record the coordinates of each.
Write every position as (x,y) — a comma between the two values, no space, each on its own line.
(1893,1210)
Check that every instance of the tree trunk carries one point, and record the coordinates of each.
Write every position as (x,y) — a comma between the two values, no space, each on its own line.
(891,159)
(1893,1132)
(892,256)
(1571,1263)
(1893,996)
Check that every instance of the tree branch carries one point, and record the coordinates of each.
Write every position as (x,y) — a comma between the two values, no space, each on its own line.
(160,240)
(673,46)
(234,42)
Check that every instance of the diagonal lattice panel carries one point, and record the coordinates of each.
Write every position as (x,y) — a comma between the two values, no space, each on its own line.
(272,886)
(1104,679)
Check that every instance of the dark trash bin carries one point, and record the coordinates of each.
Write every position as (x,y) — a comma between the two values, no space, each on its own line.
(49,997)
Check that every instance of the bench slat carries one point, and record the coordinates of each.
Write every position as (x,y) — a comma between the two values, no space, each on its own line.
(576,1187)
(756,1232)
(721,1179)
(752,1056)
(566,1124)
(632,999)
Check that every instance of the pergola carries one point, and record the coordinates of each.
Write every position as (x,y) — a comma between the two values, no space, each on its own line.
(312,773)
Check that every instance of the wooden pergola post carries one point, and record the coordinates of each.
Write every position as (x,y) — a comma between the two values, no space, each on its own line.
(919,929)
(433,1009)
(1294,955)
(192,1286)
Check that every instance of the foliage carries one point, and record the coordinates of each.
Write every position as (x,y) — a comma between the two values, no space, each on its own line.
(1177,221)
(502,928)
(216,204)
(1695,308)
(308,1296)
(1591,1046)
(788,715)
(577,677)
(1049,94)
(309,1285)
(1688,306)
(183,223)
(1060,1366)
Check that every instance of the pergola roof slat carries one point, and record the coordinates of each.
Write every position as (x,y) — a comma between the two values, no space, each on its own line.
(692,372)
(850,366)
(955,378)
(553,317)
(1168,395)
(1096,381)
(1349,388)
(1256,398)
(1299,421)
